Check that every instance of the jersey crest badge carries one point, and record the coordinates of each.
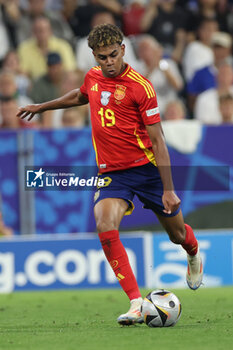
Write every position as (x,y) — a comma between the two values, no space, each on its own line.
(119,93)
(105,96)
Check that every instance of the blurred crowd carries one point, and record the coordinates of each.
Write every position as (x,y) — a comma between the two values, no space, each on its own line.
(184,47)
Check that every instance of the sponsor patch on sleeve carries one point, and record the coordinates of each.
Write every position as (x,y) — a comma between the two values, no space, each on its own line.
(152,111)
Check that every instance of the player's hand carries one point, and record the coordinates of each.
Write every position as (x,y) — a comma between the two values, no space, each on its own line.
(171,202)
(28,111)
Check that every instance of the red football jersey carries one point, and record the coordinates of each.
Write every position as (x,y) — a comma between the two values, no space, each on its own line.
(120,109)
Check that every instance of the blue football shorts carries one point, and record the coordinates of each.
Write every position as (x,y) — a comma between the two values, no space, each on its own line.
(143,181)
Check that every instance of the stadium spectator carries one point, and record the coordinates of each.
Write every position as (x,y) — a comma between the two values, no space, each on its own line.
(70,81)
(81,19)
(222,47)
(10,15)
(230,18)
(166,22)
(188,4)
(111,5)
(73,118)
(225,79)
(11,64)
(175,110)
(56,4)
(207,9)
(47,86)
(226,108)
(10,100)
(132,13)
(33,52)
(59,25)
(9,89)
(163,74)
(8,108)
(207,109)
(4,39)
(85,58)
(67,9)
(198,63)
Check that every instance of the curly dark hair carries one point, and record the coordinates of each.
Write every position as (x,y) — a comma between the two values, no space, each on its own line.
(104,35)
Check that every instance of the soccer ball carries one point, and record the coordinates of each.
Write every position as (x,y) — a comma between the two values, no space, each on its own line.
(161,308)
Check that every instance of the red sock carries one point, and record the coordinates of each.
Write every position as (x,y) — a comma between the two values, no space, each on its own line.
(118,259)
(190,244)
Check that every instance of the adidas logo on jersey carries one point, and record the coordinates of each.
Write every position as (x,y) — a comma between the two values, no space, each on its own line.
(95,87)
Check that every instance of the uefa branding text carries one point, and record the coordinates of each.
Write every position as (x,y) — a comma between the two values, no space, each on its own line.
(69,268)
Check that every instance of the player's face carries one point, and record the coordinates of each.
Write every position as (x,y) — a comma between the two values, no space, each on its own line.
(110,59)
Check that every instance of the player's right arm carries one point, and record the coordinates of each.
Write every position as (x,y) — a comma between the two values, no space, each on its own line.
(71,99)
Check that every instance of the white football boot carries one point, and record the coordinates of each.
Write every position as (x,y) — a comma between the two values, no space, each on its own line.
(195,271)
(133,315)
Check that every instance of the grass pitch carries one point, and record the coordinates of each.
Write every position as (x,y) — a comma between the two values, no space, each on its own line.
(80,320)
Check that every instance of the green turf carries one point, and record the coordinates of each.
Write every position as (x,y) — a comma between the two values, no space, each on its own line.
(68,320)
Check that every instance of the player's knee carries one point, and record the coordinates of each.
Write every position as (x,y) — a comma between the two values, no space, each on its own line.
(178,236)
(103,225)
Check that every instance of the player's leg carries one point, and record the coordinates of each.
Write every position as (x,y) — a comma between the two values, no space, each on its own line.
(150,192)
(181,233)
(108,215)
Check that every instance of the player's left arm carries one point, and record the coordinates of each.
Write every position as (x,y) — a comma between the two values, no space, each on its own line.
(170,200)
(146,99)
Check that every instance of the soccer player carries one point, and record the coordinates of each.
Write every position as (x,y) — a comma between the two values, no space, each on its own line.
(131,155)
